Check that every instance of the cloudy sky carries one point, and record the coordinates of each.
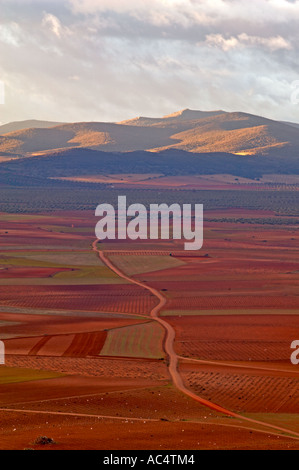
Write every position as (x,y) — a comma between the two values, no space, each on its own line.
(109,60)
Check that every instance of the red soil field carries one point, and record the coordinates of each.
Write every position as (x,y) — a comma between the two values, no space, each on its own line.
(86,344)
(249,266)
(72,345)
(235,337)
(63,241)
(264,392)
(142,403)
(54,324)
(69,386)
(18,232)
(74,432)
(205,287)
(201,267)
(105,368)
(233,302)
(109,298)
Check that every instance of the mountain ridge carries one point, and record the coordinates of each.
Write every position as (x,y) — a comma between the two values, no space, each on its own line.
(27,124)
(189,130)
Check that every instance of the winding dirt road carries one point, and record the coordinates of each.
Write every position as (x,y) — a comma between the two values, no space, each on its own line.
(173,358)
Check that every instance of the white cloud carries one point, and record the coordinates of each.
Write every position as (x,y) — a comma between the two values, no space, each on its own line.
(195,11)
(219,41)
(93,6)
(113,59)
(271,43)
(10,34)
(52,22)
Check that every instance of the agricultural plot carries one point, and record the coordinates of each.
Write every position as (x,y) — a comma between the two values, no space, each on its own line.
(41,328)
(287,420)
(98,274)
(236,350)
(145,402)
(58,276)
(16,312)
(137,264)
(9,275)
(19,260)
(61,258)
(233,302)
(42,257)
(264,338)
(108,298)
(69,345)
(247,393)
(143,340)
(54,268)
(86,344)
(12,375)
(7,323)
(112,371)
(244,311)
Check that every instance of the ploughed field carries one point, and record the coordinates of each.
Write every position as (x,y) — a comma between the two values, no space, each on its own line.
(86,362)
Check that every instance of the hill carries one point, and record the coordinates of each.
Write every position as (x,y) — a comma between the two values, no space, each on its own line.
(191,131)
(172,119)
(20,125)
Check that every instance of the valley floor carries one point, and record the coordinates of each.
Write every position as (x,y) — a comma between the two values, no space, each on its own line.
(89,365)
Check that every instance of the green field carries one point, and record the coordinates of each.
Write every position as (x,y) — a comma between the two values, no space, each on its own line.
(83,268)
(10,375)
(143,340)
(64,258)
(137,264)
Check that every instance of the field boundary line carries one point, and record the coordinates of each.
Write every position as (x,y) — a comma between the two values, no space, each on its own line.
(223,364)
(144,420)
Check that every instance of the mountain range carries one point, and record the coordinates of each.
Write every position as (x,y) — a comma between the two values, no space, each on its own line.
(40,153)
(188,130)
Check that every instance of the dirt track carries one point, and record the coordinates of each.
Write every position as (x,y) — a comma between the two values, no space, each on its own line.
(173,358)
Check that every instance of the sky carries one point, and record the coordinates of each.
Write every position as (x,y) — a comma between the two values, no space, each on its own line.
(111,60)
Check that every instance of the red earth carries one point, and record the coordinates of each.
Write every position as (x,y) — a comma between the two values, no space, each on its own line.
(238,362)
